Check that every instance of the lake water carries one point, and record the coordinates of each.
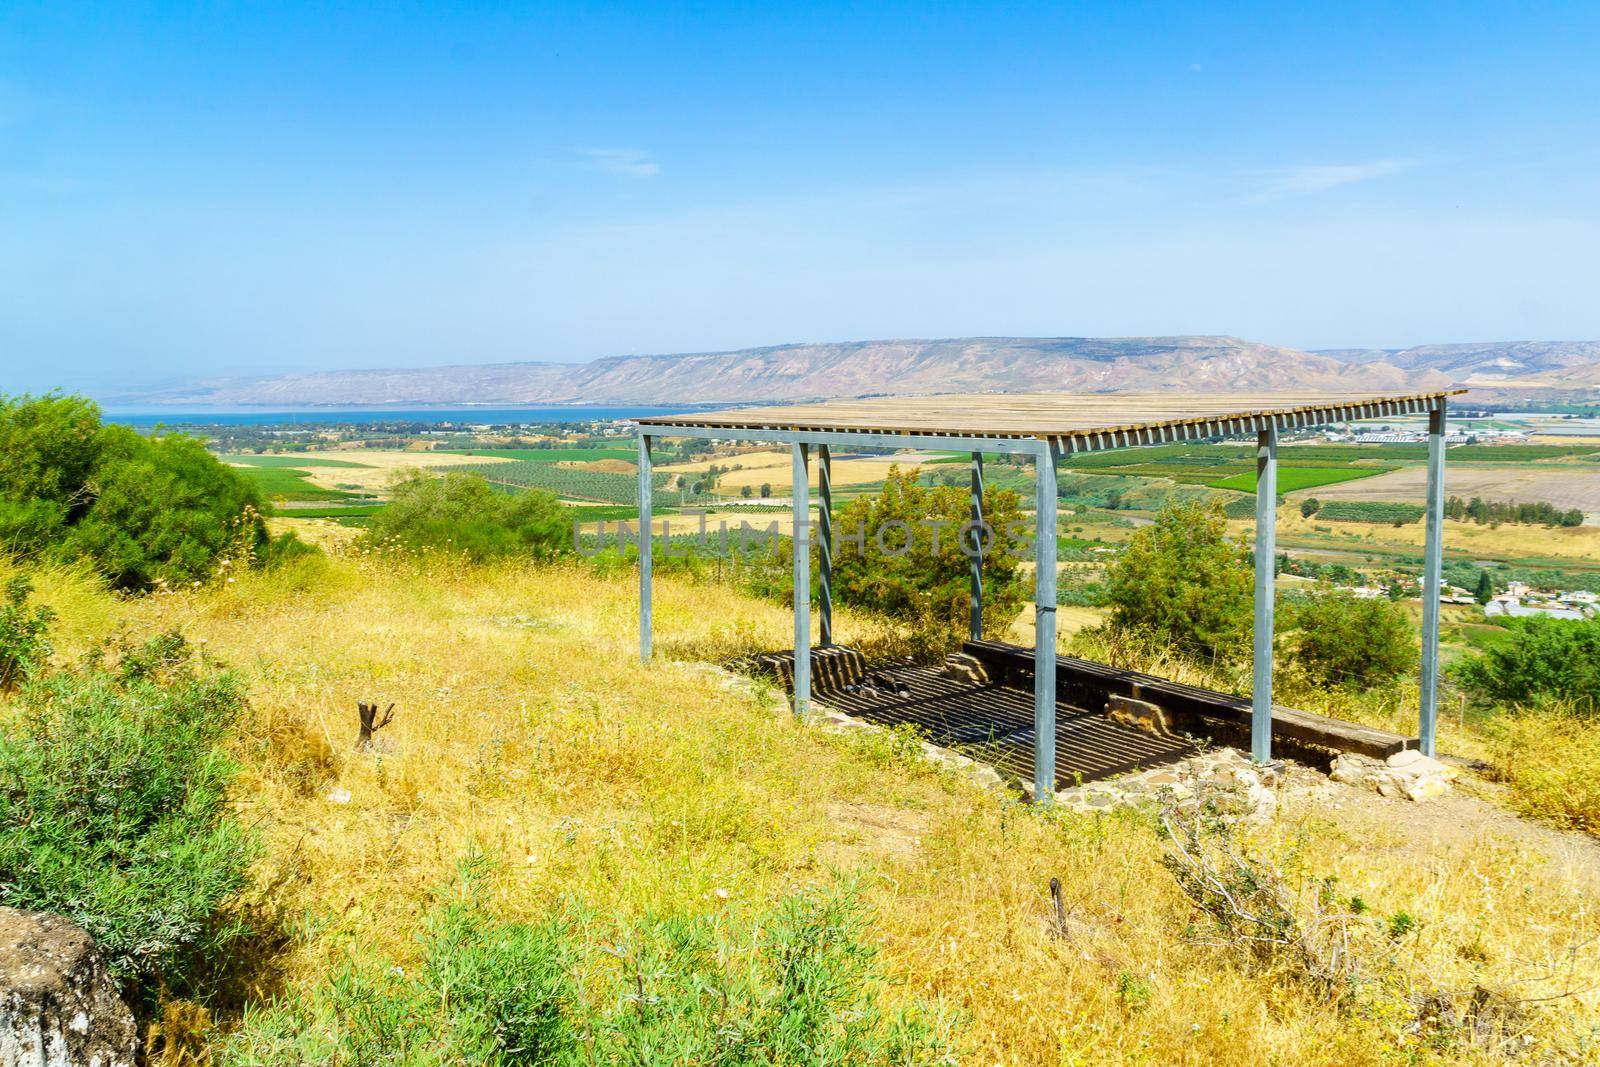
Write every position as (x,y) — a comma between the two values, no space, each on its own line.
(345,416)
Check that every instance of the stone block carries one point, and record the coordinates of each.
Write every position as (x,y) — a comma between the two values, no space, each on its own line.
(58,1006)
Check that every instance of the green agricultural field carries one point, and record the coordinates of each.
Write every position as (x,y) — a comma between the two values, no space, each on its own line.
(607,487)
(550,455)
(1291,479)
(1396,512)
(288,483)
(355,511)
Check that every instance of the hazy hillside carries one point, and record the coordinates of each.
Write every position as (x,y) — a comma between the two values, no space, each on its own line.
(814,371)
(1498,368)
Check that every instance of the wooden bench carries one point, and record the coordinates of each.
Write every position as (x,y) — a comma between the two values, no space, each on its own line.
(1087,684)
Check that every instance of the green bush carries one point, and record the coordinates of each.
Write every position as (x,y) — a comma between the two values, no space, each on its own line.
(800,986)
(928,583)
(462,513)
(24,645)
(1342,639)
(1540,660)
(1183,582)
(113,785)
(146,511)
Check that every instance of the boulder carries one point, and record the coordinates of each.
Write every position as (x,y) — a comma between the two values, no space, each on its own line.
(58,1006)
(1407,774)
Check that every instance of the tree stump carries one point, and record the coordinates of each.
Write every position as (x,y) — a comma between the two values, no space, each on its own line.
(370,723)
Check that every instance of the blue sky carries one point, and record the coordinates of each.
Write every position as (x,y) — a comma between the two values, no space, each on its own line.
(221,189)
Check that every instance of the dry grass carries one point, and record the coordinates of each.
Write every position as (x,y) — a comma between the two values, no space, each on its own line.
(1507,541)
(524,726)
(379,467)
(774,468)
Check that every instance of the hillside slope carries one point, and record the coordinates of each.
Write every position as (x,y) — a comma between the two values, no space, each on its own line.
(817,371)
(1493,368)
(525,730)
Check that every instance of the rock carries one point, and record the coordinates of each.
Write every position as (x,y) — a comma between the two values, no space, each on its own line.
(1407,774)
(1226,781)
(962,667)
(1138,714)
(58,1006)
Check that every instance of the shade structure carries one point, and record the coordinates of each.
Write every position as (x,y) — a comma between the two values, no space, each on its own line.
(1047,426)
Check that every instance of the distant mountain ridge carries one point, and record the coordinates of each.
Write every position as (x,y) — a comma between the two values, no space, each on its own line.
(798,372)
(1549,365)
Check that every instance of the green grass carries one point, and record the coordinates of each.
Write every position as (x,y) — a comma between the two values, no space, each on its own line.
(289,483)
(352,512)
(550,455)
(291,461)
(1291,479)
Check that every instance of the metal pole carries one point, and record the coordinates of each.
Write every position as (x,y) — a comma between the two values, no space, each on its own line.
(1432,564)
(802,582)
(644,548)
(1044,626)
(1266,568)
(825,543)
(975,550)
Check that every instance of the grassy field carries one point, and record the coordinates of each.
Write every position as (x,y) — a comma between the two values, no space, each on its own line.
(575,482)
(369,472)
(1294,479)
(525,729)
(351,512)
(294,460)
(549,455)
(291,483)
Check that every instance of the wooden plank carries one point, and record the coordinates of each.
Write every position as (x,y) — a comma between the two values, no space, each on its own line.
(1076,679)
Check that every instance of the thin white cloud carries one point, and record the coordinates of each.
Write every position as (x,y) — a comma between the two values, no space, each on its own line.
(629,161)
(1320,178)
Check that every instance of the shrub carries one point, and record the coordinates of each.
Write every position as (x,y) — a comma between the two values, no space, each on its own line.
(1343,639)
(1551,761)
(800,987)
(1539,660)
(928,583)
(1183,582)
(487,992)
(144,510)
(463,513)
(166,511)
(113,809)
(23,643)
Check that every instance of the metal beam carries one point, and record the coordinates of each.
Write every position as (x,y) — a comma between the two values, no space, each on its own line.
(802,580)
(644,548)
(975,557)
(1224,426)
(1044,629)
(1027,446)
(825,543)
(1266,572)
(1432,564)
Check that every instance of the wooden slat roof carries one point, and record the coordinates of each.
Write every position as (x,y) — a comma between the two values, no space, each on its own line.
(1130,417)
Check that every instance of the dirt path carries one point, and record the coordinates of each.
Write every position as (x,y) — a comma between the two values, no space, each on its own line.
(1466,817)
